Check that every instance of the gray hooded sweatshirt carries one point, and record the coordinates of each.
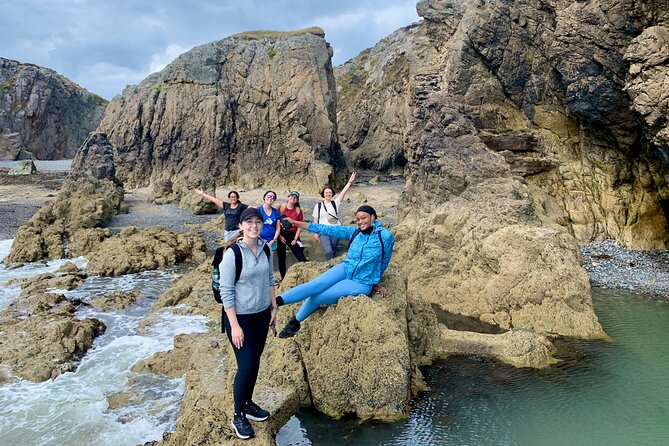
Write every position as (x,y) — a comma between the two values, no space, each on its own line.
(251,292)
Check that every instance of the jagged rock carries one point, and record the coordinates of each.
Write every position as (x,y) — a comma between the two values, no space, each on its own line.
(118,300)
(90,196)
(544,76)
(133,251)
(253,109)
(43,115)
(42,337)
(26,167)
(68,267)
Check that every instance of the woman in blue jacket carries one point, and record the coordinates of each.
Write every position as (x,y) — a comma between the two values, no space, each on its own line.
(359,273)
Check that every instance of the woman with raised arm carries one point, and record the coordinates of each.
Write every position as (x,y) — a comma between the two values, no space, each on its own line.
(250,309)
(231,210)
(368,256)
(326,212)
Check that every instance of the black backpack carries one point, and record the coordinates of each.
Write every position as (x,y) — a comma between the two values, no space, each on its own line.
(216,274)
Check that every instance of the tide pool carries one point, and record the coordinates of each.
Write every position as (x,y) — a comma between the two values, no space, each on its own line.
(600,394)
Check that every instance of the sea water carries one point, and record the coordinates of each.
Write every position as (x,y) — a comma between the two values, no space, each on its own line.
(602,393)
(73,409)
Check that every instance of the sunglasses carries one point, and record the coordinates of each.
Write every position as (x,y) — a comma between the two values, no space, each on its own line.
(271,197)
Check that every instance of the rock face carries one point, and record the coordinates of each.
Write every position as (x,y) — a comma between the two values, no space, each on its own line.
(648,56)
(542,83)
(41,336)
(43,115)
(253,109)
(89,197)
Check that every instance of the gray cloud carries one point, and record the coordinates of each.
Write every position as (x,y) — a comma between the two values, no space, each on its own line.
(103,45)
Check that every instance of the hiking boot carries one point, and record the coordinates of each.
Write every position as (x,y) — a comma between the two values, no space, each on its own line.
(255,412)
(241,426)
(290,329)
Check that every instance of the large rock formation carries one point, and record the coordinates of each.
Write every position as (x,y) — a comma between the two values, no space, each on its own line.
(43,115)
(253,109)
(541,82)
(90,196)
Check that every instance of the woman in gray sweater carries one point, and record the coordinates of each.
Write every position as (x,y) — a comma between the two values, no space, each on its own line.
(250,309)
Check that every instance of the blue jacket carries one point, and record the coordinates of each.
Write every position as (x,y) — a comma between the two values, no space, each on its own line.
(363,261)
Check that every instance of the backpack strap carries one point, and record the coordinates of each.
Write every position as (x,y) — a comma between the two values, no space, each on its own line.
(238,260)
(355,234)
(334,205)
(268,253)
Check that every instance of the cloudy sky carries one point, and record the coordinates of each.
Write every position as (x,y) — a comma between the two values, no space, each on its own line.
(104,45)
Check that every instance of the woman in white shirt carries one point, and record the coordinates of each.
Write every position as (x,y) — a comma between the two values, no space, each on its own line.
(326,212)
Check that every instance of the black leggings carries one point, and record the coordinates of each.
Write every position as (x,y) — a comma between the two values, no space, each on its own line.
(255,327)
(281,251)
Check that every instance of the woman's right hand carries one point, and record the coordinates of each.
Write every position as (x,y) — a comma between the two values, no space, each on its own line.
(237,337)
(199,191)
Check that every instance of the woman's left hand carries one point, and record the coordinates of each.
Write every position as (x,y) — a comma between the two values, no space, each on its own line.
(352,179)
(272,319)
(380,289)
(293,242)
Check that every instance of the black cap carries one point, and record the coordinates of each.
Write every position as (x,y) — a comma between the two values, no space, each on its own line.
(368,209)
(250,212)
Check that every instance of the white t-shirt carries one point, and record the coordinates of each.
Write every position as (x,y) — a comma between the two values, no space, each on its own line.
(326,209)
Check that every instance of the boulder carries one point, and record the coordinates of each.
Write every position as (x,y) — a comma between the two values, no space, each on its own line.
(43,115)
(253,109)
(117,300)
(133,250)
(26,167)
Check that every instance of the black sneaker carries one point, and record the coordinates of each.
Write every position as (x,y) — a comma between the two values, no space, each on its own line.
(241,426)
(290,329)
(255,412)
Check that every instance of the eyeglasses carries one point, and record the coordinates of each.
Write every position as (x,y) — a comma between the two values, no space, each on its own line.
(271,197)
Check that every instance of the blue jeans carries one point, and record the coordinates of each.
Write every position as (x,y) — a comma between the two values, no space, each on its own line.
(324,289)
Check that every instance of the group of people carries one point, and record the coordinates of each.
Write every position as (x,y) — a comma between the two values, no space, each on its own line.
(247,285)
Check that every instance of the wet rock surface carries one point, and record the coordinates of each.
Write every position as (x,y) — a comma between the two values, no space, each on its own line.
(41,335)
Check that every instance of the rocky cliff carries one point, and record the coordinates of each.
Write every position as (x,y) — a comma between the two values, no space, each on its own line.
(43,115)
(250,110)
(545,85)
